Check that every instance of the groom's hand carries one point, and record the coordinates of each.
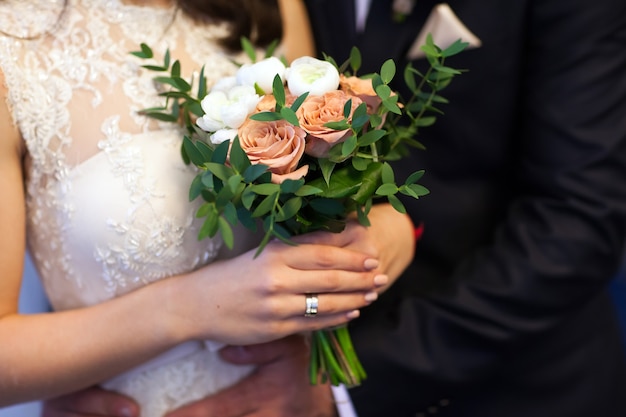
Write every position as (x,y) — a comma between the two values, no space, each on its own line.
(279,386)
(91,402)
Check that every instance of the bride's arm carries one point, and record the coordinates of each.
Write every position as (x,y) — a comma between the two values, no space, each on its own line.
(297,34)
(232,301)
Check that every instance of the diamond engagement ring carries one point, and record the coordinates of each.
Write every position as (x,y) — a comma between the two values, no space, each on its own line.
(311,305)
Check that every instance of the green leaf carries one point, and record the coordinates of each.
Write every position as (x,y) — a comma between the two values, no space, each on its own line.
(414,177)
(371,136)
(219,170)
(265,206)
(175,72)
(388,71)
(339,125)
(425,121)
(307,190)
(195,188)
(233,182)
(175,82)
(396,204)
(347,108)
(371,180)
(289,115)
(226,232)
(348,146)
(387,174)
(164,117)
(298,102)
(230,213)
(202,86)
(210,226)
(245,218)
(265,189)
(166,58)
(196,156)
(327,167)
(291,186)
(289,209)
(355,59)
(247,198)
(457,47)
(248,48)
(158,68)
(238,158)
(145,53)
(387,189)
(409,77)
(220,153)
(204,149)
(208,180)
(269,51)
(360,117)
(266,116)
(383,91)
(419,190)
(328,206)
(279,91)
(360,164)
(253,172)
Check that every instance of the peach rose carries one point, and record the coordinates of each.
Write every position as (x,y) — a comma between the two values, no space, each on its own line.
(268,102)
(277,144)
(319,110)
(361,88)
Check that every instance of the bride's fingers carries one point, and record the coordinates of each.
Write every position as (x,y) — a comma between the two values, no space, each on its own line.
(331,281)
(322,257)
(329,304)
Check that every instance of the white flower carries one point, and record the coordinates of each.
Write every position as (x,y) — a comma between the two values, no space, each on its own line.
(223,135)
(307,74)
(261,73)
(224,84)
(227,109)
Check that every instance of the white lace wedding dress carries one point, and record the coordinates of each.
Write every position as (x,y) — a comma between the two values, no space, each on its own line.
(106,189)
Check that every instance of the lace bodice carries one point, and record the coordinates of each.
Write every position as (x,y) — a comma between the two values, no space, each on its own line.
(106,187)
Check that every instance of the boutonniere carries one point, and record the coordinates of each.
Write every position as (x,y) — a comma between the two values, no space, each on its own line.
(401,9)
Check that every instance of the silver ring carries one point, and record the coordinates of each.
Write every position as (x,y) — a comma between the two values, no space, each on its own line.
(310,301)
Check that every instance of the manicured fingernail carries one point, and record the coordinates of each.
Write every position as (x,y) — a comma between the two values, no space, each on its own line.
(371,296)
(353,314)
(381,280)
(370,264)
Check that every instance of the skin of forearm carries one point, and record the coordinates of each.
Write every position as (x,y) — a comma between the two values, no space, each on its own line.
(46,355)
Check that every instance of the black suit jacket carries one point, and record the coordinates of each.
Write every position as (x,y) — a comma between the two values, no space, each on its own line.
(504,311)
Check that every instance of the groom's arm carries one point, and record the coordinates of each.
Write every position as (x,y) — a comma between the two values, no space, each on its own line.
(273,390)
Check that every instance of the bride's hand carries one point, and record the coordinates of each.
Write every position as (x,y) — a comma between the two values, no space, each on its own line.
(390,238)
(247,300)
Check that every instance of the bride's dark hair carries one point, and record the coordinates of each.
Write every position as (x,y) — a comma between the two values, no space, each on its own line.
(258,20)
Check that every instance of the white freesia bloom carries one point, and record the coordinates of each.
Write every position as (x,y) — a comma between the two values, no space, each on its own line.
(307,74)
(227,110)
(261,73)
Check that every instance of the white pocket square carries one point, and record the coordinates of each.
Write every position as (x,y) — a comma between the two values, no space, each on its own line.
(445,28)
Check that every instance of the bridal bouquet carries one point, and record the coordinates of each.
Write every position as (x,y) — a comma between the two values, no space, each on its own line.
(301,147)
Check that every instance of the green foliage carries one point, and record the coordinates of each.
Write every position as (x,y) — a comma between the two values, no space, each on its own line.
(356,173)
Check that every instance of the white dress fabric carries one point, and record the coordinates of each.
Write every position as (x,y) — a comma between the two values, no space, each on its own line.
(106,188)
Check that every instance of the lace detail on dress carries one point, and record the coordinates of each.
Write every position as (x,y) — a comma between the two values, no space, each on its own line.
(106,190)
